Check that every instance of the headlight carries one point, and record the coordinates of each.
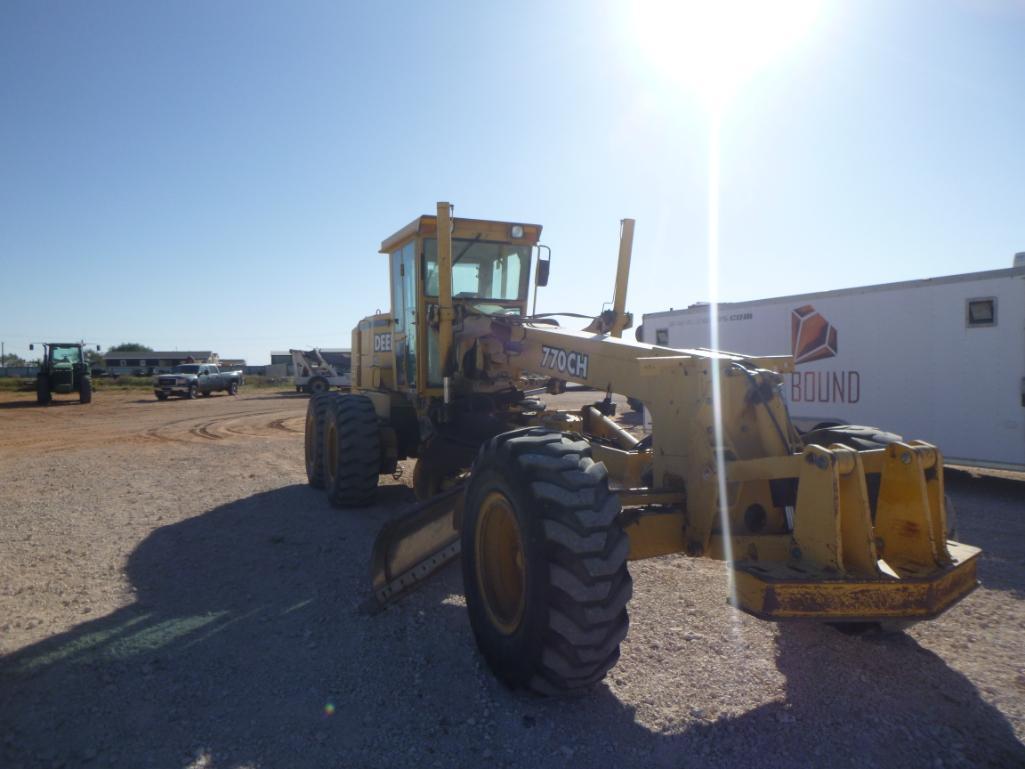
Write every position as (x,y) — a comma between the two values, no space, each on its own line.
(516,230)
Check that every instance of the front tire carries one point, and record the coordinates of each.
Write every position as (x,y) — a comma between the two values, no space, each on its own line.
(544,562)
(161,396)
(85,390)
(318,411)
(43,394)
(193,390)
(352,451)
(232,388)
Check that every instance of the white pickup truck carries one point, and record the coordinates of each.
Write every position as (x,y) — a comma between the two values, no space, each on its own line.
(189,380)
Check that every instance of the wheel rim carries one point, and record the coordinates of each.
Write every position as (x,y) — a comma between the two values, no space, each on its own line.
(501,577)
(330,453)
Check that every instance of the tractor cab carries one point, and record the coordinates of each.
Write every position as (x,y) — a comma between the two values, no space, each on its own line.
(486,272)
(65,355)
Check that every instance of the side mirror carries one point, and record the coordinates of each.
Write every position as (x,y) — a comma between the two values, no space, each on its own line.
(543,269)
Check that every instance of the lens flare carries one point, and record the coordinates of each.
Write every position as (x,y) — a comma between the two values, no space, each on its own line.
(329,709)
(713,309)
(712,48)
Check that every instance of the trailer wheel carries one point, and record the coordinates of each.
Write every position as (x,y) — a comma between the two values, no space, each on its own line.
(318,385)
(544,562)
(352,451)
(318,411)
(85,390)
(43,394)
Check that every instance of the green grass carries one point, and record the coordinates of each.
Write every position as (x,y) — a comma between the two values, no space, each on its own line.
(21,384)
(10,384)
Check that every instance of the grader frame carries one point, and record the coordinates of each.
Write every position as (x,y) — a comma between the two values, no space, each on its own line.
(546,506)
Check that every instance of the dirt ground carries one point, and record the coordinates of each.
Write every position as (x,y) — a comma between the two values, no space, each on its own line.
(173,594)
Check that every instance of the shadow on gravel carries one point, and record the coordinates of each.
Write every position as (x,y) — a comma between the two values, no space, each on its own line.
(32,404)
(991,515)
(901,706)
(277,396)
(244,647)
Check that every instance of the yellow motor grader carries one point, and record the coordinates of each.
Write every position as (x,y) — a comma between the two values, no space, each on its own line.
(546,507)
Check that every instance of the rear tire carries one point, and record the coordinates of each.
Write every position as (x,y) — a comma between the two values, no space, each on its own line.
(318,411)
(43,394)
(544,562)
(317,386)
(85,390)
(352,451)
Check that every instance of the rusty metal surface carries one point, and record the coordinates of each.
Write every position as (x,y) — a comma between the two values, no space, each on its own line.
(776,591)
(413,547)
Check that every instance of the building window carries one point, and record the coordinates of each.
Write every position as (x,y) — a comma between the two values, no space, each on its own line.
(124,363)
(981,312)
(662,336)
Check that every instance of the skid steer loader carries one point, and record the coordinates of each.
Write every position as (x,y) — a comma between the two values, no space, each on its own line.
(547,507)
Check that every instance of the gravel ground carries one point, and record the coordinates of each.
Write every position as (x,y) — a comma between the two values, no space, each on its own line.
(172,594)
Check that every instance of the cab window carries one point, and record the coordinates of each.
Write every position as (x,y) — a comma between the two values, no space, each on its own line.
(480,270)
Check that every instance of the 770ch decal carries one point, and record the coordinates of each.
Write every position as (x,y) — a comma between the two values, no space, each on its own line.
(572,363)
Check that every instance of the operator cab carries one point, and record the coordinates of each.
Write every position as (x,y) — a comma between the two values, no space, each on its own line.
(67,354)
(491,264)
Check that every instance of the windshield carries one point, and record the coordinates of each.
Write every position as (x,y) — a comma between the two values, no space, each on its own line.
(480,270)
(65,355)
(186,369)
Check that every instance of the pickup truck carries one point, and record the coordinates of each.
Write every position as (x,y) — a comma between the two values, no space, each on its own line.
(192,379)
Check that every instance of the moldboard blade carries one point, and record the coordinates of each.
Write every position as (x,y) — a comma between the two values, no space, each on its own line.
(414,546)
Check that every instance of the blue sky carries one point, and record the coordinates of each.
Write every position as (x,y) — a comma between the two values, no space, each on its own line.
(220,175)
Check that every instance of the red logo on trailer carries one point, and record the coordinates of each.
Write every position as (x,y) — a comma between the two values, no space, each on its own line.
(812,337)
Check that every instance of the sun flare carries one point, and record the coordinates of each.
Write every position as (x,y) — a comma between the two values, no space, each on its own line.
(712,47)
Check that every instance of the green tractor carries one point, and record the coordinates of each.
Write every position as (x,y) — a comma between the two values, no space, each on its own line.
(63,370)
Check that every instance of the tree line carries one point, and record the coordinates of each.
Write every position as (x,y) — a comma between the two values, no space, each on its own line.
(92,357)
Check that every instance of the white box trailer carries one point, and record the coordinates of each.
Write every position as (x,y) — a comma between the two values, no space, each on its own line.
(941,360)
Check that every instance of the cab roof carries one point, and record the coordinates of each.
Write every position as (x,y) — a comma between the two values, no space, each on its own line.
(463,229)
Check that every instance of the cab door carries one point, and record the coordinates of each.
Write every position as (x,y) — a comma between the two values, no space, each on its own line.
(404,298)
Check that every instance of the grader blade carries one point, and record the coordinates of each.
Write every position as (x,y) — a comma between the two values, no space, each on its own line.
(414,546)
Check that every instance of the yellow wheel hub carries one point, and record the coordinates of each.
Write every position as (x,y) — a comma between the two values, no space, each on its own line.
(501,577)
